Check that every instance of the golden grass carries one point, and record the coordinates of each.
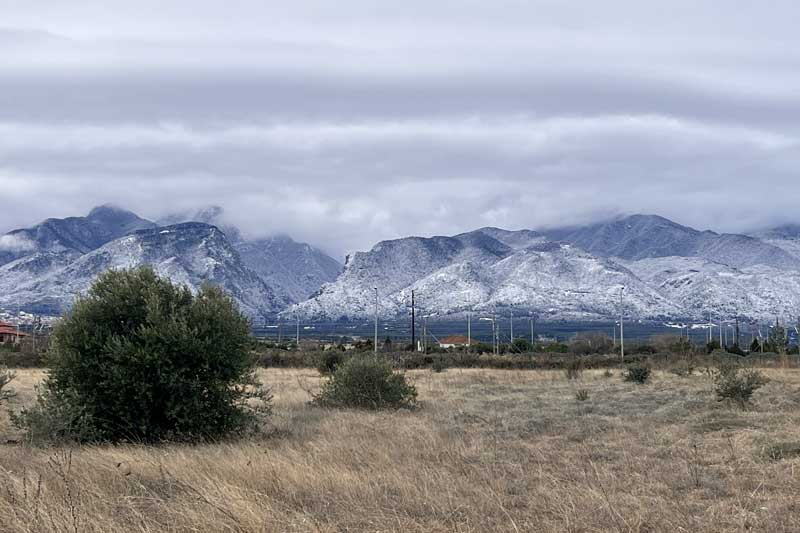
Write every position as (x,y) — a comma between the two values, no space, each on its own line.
(489,450)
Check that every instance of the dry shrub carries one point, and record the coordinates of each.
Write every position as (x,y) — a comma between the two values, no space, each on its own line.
(732,382)
(573,368)
(637,373)
(682,368)
(783,450)
(366,383)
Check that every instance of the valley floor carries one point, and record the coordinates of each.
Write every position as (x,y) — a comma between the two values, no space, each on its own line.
(487,451)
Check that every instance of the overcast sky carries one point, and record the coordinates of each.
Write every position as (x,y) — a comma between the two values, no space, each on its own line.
(346,122)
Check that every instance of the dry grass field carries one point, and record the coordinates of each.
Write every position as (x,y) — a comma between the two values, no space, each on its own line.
(488,450)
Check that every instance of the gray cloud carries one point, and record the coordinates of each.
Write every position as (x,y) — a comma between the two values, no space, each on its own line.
(350,122)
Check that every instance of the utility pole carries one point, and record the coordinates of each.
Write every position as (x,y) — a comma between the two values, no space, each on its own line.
(413,324)
(469,329)
(532,339)
(280,330)
(424,333)
(621,325)
(375,347)
(720,333)
(512,325)
(297,340)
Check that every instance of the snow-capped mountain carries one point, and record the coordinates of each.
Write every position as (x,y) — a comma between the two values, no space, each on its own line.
(294,269)
(476,271)
(43,267)
(190,253)
(786,237)
(647,236)
(713,289)
(668,270)
(72,236)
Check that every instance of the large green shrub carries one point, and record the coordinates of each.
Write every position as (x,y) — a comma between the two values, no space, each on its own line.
(366,382)
(141,359)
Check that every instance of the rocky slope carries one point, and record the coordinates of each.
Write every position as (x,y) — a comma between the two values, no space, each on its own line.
(73,236)
(43,267)
(668,270)
(476,271)
(191,254)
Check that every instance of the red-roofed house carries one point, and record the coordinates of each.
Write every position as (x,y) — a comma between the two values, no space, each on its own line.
(8,333)
(454,341)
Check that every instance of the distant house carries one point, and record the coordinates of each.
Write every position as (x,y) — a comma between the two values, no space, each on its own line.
(8,333)
(454,341)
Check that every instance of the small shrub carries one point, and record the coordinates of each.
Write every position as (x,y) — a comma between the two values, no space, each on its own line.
(330,361)
(607,373)
(644,349)
(731,382)
(366,383)
(735,349)
(582,395)
(637,373)
(783,450)
(573,368)
(521,345)
(6,376)
(439,364)
(683,368)
(553,347)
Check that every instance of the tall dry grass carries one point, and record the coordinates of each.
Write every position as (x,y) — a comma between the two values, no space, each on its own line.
(488,451)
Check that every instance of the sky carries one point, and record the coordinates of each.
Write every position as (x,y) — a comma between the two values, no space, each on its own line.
(344,123)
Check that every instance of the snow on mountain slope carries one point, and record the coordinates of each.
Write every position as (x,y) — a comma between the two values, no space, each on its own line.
(190,253)
(786,237)
(701,288)
(564,281)
(477,272)
(295,269)
(647,236)
(73,235)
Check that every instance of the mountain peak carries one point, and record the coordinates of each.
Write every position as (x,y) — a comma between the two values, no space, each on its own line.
(109,211)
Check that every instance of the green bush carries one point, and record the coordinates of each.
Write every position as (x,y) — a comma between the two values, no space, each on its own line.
(553,347)
(329,361)
(582,395)
(366,382)
(140,359)
(637,373)
(521,345)
(439,364)
(735,349)
(482,347)
(732,382)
